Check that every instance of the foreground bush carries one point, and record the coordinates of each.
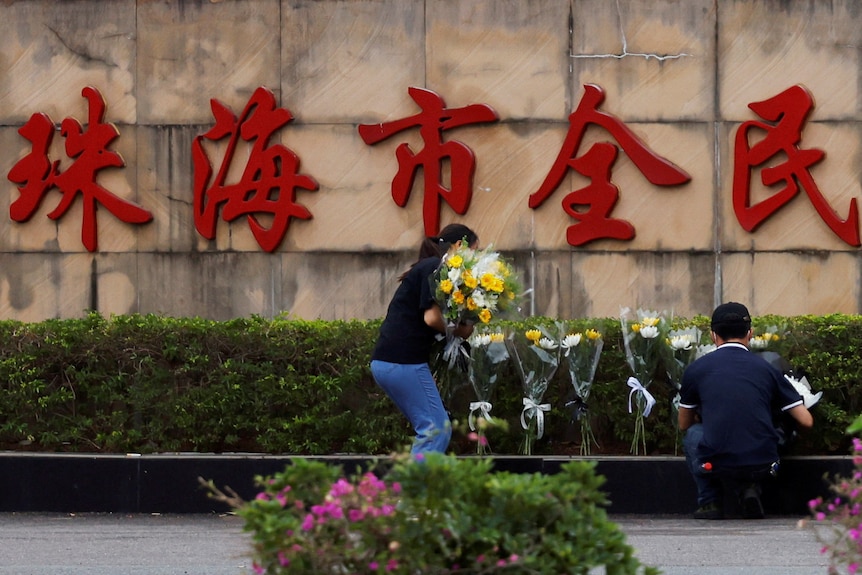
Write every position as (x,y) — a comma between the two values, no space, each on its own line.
(438,516)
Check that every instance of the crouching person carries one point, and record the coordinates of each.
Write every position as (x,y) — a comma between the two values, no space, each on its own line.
(726,407)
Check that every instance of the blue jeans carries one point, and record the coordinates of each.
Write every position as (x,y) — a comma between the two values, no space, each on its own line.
(708,488)
(414,391)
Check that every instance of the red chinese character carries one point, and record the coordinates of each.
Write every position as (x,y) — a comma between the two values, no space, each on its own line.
(36,174)
(432,121)
(268,183)
(787,111)
(601,195)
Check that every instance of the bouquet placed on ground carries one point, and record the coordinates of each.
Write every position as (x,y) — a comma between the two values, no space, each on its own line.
(580,352)
(536,354)
(769,338)
(446,515)
(680,352)
(643,338)
(488,355)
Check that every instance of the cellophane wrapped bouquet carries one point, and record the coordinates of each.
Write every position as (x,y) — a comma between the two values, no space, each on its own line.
(488,356)
(580,351)
(536,354)
(472,286)
(680,351)
(643,337)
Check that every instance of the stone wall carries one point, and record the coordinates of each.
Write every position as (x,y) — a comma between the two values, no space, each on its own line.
(680,74)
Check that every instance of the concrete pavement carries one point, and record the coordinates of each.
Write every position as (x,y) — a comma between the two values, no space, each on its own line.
(197,544)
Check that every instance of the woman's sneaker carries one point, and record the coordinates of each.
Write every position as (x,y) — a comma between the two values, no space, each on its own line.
(709,511)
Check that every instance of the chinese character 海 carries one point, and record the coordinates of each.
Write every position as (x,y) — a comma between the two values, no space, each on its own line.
(267,187)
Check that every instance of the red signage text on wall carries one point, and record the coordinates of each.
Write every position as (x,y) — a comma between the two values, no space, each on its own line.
(36,174)
(266,191)
(591,206)
(267,187)
(787,113)
(432,121)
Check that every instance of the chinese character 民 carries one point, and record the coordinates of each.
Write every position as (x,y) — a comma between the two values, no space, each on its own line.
(269,180)
(787,113)
(591,206)
(432,121)
(88,148)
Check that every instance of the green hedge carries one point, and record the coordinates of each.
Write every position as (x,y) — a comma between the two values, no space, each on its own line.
(146,383)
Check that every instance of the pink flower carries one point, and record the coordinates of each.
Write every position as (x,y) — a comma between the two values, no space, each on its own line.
(282,559)
(373,565)
(483,441)
(258,569)
(513,558)
(392,565)
(396,487)
(420,457)
(308,522)
(355,515)
(262,496)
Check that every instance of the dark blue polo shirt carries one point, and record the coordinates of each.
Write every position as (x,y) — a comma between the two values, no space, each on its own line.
(736,392)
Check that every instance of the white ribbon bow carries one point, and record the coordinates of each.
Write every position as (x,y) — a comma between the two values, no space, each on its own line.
(637,387)
(532,408)
(484,410)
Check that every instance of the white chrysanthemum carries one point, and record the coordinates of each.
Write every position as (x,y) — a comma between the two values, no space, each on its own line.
(702,350)
(454,275)
(571,340)
(681,342)
(758,342)
(481,298)
(547,343)
(480,339)
(649,332)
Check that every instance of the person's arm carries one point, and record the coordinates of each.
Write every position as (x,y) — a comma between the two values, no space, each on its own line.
(434,318)
(687,417)
(802,416)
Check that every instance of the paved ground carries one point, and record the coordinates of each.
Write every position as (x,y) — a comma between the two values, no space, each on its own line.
(116,544)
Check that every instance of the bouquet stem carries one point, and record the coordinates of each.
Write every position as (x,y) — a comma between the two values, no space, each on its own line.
(588,439)
(639,438)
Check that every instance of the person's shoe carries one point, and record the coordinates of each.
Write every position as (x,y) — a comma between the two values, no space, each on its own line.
(752,508)
(709,511)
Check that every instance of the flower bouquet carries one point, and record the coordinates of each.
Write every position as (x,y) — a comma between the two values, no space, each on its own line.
(581,351)
(681,350)
(488,354)
(643,340)
(472,286)
(537,355)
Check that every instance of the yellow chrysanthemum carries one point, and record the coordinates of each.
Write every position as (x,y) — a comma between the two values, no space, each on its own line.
(454,261)
(471,304)
(458,297)
(650,321)
(533,335)
(469,280)
(446,286)
(593,334)
(636,327)
(495,337)
(485,317)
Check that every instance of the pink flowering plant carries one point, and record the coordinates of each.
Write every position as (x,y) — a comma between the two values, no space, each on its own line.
(838,519)
(434,515)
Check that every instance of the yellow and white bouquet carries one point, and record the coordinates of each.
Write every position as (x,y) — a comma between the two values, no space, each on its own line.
(474,286)
(580,352)
(536,353)
(643,338)
(681,350)
(488,355)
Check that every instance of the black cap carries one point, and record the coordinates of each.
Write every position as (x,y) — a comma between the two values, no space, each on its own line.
(731,314)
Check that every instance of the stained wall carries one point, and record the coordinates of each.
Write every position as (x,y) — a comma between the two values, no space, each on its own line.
(680,74)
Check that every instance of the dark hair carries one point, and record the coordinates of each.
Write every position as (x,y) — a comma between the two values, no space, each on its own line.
(436,246)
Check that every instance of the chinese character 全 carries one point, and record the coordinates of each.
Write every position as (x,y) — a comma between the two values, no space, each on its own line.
(591,206)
